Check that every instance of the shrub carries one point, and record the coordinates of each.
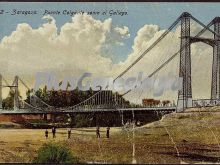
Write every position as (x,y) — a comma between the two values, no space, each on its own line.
(54,153)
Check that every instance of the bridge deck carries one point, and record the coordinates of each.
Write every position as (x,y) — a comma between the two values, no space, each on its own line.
(30,111)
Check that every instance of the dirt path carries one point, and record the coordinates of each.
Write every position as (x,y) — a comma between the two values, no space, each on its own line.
(20,145)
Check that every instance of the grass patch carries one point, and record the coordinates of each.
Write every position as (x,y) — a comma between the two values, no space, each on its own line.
(183,117)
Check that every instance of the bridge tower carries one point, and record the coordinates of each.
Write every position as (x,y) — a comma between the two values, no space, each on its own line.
(215,86)
(185,93)
(16,100)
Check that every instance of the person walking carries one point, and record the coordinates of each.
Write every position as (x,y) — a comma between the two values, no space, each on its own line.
(97,132)
(107,132)
(46,133)
(69,133)
(54,132)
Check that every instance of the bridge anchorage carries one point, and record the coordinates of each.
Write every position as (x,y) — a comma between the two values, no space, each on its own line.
(107,101)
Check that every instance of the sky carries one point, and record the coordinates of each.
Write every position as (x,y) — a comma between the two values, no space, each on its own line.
(139,14)
(101,44)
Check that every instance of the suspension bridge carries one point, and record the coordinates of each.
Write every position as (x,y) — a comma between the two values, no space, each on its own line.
(105,101)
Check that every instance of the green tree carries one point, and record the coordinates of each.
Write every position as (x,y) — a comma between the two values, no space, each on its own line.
(54,153)
(62,98)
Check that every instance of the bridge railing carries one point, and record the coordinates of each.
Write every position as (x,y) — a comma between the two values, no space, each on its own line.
(206,102)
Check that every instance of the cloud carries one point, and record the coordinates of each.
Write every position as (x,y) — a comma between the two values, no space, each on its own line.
(146,33)
(124,32)
(76,49)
